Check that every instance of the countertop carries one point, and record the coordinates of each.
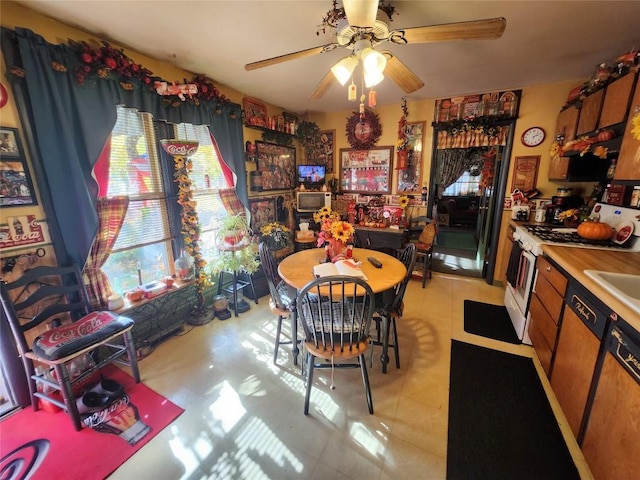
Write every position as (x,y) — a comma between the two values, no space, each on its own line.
(576,260)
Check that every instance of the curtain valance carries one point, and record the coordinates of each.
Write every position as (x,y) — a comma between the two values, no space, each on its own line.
(72,121)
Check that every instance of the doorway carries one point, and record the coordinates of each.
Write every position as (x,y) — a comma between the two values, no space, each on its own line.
(468,186)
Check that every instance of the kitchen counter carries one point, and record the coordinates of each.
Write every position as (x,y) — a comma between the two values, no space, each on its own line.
(576,260)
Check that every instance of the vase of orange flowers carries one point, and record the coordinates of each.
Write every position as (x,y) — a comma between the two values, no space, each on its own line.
(335,234)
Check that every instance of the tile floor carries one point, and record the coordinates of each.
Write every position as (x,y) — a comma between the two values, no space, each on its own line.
(244,416)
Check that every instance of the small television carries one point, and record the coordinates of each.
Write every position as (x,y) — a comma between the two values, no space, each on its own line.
(311,176)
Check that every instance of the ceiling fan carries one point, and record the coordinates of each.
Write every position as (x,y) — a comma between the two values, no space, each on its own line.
(361,30)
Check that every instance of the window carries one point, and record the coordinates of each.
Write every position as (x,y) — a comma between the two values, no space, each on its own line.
(142,252)
(207,179)
(465,185)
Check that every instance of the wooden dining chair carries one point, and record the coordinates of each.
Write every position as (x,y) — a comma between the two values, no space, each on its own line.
(279,301)
(50,317)
(335,313)
(424,248)
(408,258)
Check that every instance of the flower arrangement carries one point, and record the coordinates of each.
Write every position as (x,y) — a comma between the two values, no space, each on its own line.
(403,201)
(189,221)
(324,214)
(276,235)
(335,233)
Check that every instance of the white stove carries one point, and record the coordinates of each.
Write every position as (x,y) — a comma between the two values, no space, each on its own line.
(622,219)
(529,239)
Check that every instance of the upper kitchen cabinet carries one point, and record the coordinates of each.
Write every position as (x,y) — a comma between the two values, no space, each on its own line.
(591,106)
(616,101)
(628,167)
(567,123)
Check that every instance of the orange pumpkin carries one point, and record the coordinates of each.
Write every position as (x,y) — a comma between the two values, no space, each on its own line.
(605,135)
(592,230)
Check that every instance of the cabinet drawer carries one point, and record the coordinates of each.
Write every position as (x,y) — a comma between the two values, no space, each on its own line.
(540,345)
(547,325)
(552,275)
(551,299)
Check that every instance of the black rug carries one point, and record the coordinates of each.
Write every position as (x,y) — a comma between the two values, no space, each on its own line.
(501,425)
(487,320)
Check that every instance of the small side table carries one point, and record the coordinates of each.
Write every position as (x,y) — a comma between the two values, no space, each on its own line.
(304,243)
(233,289)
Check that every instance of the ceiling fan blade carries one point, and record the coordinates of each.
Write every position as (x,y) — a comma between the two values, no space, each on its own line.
(487,29)
(290,56)
(328,80)
(361,13)
(401,74)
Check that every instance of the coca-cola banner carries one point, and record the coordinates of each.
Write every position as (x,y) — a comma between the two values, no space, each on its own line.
(21,230)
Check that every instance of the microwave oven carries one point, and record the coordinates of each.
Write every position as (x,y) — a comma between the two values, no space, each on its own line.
(312,201)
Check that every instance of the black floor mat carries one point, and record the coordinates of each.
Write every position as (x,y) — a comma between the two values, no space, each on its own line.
(501,425)
(490,321)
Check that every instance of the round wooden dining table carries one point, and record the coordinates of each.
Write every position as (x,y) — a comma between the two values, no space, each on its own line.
(297,270)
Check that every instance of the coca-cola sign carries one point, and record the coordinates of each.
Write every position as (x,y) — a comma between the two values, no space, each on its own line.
(21,230)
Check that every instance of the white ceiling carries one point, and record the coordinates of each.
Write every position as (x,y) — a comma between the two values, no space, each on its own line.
(544,42)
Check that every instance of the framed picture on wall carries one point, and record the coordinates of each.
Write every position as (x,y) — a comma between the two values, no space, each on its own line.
(366,171)
(327,150)
(16,187)
(263,211)
(410,178)
(525,173)
(277,165)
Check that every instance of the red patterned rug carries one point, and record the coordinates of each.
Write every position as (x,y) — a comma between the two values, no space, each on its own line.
(44,445)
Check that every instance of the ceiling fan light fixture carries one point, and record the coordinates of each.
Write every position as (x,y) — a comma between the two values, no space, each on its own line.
(371,79)
(344,69)
(373,61)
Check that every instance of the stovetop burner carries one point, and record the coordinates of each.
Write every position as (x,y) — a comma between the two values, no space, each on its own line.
(569,236)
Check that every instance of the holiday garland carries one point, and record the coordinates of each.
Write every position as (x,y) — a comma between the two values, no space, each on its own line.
(190,225)
(108,62)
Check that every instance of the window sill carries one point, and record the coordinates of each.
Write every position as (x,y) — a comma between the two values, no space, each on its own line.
(130,305)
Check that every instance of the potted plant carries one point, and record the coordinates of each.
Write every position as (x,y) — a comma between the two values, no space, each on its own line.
(242,260)
(236,252)
(278,238)
(233,230)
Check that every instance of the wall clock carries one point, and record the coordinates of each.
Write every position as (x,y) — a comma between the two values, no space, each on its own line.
(362,135)
(533,136)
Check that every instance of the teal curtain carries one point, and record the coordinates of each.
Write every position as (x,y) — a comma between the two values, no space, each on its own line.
(71,123)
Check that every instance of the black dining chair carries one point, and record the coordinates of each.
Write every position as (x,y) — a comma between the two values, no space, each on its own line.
(335,313)
(280,301)
(54,328)
(408,258)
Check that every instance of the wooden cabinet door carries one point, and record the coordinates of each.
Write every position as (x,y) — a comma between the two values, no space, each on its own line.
(590,112)
(567,123)
(558,168)
(573,367)
(612,441)
(628,167)
(616,101)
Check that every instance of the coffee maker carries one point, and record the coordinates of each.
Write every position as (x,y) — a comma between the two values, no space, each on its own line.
(563,200)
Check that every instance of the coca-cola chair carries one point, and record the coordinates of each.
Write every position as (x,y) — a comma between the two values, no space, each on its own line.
(63,344)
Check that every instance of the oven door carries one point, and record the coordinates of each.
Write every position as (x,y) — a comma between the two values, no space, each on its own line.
(519,287)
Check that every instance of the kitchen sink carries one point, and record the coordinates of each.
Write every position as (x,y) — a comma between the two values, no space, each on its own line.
(623,285)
